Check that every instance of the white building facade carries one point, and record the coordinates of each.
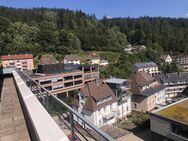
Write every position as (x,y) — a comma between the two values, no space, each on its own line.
(101,111)
(72,59)
(175,84)
(149,67)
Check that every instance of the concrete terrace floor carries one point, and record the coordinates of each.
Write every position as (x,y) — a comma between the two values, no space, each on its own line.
(12,123)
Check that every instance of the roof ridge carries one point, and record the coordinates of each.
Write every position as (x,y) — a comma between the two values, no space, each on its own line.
(90,94)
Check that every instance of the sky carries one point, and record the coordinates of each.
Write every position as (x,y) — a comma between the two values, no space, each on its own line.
(111,8)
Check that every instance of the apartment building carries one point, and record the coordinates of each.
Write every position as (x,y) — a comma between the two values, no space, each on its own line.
(63,78)
(121,89)
(175,83)
(170,123)
(19,61)
(72,59)
(97,103)
(182,60)
(148,93)
(166,58)
(149,67)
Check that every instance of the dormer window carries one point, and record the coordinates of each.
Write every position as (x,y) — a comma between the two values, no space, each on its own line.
(103,100)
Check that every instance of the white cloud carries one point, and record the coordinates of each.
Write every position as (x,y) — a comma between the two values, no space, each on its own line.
(109,17)
(186,15)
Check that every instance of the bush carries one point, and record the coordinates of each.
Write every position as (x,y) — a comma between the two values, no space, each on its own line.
(141,119)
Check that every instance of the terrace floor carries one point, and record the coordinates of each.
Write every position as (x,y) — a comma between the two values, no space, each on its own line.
(12,123)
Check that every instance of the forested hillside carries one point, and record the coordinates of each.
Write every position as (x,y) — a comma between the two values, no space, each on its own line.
(62,31)
(41,30)
(170,33)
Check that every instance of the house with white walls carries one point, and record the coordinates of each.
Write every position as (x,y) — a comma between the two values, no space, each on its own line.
(72,59)
(97,103)
(166,58)
(121,89)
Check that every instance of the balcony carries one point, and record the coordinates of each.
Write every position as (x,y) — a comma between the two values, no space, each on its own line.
(109,115)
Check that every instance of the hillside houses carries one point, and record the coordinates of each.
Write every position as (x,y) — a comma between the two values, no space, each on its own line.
(131,49)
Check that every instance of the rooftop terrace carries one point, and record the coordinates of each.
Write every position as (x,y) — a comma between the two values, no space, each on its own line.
(177,112)
(12,122)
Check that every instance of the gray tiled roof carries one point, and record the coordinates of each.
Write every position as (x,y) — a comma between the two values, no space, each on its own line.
(144,65)
(172,78)
(152,91)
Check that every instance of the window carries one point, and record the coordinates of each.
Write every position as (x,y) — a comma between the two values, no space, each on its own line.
(68,84)
(99,111)
(83,114)
(135,105)
(104,109)
(180,130)
(78,82)
(45,82)
(77,76)
(68,77)
(100,122)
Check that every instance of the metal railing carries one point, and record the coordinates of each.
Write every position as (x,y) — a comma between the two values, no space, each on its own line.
(66,114)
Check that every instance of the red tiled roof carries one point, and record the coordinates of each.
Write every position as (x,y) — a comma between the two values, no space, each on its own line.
(17,56)
(71,57)
(93,55)
(138,79)
(163,57)
(48,59)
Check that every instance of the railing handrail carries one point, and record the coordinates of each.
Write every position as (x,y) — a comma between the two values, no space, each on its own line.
(36,115)
(99,131)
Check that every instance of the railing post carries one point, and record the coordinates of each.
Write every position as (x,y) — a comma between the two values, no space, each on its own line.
(47,103)
(71,125)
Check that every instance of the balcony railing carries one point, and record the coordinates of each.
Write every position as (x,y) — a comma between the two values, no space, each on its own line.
(65,114)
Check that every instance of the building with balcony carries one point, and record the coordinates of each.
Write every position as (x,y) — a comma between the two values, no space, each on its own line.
(97,103)
(149,67)
(20,61)
(182,60)
(170,123)
(72,59)
(63,78)
(148,93)
(121,89)
(175,83)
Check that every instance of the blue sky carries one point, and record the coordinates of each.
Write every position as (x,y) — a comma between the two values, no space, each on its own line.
(111,8)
